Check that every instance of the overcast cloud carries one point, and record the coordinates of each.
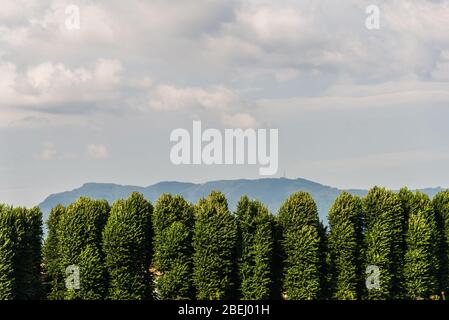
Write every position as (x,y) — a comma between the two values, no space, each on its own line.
(354,107)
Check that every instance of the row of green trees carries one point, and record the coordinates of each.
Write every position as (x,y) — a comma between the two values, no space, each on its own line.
(109,248)
(404,235)
(385,246)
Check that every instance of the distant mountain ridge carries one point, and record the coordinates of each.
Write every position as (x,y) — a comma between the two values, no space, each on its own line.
(271,191)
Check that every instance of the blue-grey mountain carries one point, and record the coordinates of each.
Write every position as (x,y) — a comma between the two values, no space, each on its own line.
(271,191)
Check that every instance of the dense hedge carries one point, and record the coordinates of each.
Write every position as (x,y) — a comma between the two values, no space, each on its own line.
(421,263)
(173,222)
(214,244)
(386,245)
(384,241)
(54,278)
(255,249)
(126,245)
(79,235)
(300,245)
(441,207)
(345,247)
(20,253)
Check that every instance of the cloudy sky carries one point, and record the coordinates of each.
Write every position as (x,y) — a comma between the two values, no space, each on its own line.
(354,107)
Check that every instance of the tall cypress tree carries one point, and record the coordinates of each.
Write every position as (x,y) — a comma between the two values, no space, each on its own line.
(345,247)
(79,241)
(21,256)
(53,275)
(27,237)
(173,221)
(255,234)
(384,219)
(20,253)
(127,245)
(214,242)
(301,243)
(441,208)
(7,277)
(406,196)
(421,258)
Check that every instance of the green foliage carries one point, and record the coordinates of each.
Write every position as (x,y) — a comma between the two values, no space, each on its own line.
(324,258)
(384,241)
(441,208)
(345,247)
(126,244)
(214,242)
(421,259)
(7,277)
(406,197)
(256,242)
(20,253)
(92,273)
(205,252)
(79,236)
(173,221)
(27,258)
(301,243)
(54,277)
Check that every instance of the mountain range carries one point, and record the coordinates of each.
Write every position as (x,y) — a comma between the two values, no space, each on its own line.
(271,191)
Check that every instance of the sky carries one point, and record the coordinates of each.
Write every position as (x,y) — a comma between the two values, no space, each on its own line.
(355,106)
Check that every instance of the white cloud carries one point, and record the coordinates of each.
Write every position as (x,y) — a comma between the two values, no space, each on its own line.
(107,72)
(247,43)
(441,70)
(146,82)
(234,42)
(287,74)
(168,97)
(331,37)
(8,75)
(240,120)
(49,83)
(18,36)
(48,152)
(10,9)
(47,22)
(97,151)
(272,24)
(17,10)
(48,77)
